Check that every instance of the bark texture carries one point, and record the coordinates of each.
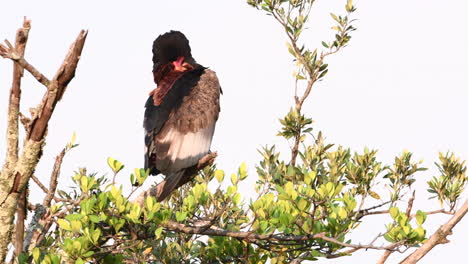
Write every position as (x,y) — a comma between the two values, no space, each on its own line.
(18,168)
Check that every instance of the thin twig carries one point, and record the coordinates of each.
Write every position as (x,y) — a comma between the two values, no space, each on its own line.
(13,54)
(54,178)
(410,204)
(39,183)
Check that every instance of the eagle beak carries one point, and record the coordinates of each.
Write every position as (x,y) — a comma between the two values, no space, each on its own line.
(179,64)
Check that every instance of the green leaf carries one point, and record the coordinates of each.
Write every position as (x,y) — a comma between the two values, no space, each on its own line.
(374,195)
(394,212)
(84,184)
(23,258)
(421,233)
(158,232)
(64,224)
(420,217)
(243,171)
(71,144)
(219,175)
(335,17)
(72,217)
(288,188)
(389,238)
(342,213)
(115,165)
(96,235)
(234,179)
(36,254)
(349,6)
(180,216)
(302,204)
(236,198)
(149,203)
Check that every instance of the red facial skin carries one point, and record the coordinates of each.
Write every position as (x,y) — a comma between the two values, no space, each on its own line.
(166,75)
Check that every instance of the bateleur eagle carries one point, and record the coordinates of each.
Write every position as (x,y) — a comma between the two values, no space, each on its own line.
(181,113)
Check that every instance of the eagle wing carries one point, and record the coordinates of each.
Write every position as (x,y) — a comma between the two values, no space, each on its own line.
(178,132)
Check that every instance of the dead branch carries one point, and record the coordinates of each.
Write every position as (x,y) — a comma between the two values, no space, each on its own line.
(56,88)
(410,204)
(8,52)
(156,191)
(15,95)
(12,129)
(39,183)
(17,171)
(50,194)
(21,214)
(439,237)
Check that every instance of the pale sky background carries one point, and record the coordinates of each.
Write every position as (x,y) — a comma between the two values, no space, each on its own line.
(400,84)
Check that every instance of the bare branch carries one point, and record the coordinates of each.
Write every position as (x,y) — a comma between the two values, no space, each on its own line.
(15,177)
(57,87)
(384,257)
(440,211)
(54,178)
(17,55)
(15,96)
(439,237)
(21,214)
(12,130)
(410,204)
(39,183)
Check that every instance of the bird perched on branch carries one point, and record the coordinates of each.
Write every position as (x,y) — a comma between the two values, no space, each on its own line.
(181,113)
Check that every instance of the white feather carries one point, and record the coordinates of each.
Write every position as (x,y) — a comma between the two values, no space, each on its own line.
(185,149)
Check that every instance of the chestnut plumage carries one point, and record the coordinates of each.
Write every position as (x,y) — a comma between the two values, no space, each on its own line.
(181,113)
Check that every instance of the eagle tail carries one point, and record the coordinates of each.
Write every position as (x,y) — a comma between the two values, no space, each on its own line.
(171,182)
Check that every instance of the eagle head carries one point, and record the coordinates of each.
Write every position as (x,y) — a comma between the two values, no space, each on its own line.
(172,47)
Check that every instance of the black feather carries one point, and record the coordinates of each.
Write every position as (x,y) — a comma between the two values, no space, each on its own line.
(157,115)
(169,46)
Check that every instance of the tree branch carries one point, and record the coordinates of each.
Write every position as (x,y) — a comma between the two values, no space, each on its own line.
(39,183)
(156,191)
(14,178)
(56,88)
(249,236)
(439,237)
(15,96)
(54,178)
(17,56)
(12,130)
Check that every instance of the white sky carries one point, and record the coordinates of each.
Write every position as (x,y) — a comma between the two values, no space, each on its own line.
(401,84)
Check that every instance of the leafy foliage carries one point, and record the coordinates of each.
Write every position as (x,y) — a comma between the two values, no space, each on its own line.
(301,210)
(324,195)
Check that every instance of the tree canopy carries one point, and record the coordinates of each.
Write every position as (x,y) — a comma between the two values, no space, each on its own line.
(306,202)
